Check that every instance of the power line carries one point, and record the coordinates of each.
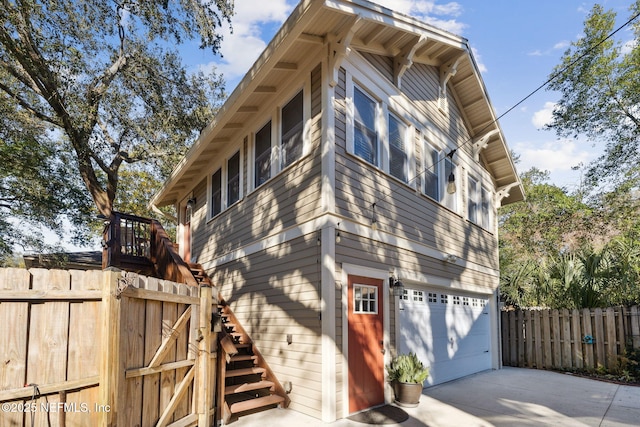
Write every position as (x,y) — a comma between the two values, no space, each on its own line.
(536,90)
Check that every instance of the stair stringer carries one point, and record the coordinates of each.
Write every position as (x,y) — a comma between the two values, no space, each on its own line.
(268,375)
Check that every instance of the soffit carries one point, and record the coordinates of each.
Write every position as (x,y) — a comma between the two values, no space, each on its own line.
(367,27)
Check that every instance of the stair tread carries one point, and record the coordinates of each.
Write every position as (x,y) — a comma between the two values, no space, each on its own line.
(244,371)
(256,403)
(243,357)
(241,388)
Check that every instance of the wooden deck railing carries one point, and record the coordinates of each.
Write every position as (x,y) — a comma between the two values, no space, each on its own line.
(142,245)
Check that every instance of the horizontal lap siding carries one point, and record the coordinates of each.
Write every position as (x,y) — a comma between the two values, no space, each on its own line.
(399,210)
(364,252)
(420,84)
(290,198)
(274,293)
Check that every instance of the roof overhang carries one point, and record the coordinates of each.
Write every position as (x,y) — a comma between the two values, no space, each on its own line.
(367,27)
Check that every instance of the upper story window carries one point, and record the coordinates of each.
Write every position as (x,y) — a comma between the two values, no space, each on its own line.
(478,203)
(226,185)
(280,142)
(216,192)
(262,163)
(431,172)
(292,124)
(365,137)
(233,179)
(473,192)
(398,150)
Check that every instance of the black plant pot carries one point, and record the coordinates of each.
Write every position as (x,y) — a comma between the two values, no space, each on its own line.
(407,394)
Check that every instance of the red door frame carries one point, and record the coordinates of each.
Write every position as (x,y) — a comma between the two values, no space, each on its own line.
(366,349)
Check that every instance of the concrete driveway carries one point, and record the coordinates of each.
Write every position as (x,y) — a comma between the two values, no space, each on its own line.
(506,397)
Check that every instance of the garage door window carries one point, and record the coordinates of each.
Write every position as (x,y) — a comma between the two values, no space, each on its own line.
(365,299)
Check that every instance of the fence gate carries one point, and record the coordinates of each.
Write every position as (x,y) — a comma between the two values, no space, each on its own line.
(104,348)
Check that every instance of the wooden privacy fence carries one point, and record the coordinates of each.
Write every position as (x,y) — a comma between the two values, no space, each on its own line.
(569,339)
(104,348)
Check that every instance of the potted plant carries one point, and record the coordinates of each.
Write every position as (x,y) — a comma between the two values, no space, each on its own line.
(406,374)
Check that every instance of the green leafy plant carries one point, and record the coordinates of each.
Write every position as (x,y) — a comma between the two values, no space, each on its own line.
(407,368)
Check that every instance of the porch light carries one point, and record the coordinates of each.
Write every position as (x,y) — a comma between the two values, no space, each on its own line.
(451,184)
(396,286)
(191,203)
(451,180)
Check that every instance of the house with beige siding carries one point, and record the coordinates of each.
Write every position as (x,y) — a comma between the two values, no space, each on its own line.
(359,151)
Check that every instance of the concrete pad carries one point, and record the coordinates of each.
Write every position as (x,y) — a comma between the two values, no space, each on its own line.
(506,397)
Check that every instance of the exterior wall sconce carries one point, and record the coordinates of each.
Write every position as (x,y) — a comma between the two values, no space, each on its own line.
(374,218)
(396,286)
(451,258)
(191,203)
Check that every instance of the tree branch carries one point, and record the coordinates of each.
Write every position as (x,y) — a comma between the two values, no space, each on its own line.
(24,104)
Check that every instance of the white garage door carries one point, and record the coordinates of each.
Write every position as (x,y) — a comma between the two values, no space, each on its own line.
(448,331)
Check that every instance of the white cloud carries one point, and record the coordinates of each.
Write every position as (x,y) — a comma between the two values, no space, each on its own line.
(242,47)
(558,157)
(483,68)
(628,47)
(255,22)
(439,15)
(561,44)
(543,117)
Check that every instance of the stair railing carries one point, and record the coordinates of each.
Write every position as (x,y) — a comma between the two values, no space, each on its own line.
(141,244)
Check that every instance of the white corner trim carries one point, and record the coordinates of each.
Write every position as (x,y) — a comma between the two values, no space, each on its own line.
(328,313)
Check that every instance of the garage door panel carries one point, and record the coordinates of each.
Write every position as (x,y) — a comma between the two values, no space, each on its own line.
(450,333)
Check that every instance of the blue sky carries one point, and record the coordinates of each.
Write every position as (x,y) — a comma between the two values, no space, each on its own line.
(515,42)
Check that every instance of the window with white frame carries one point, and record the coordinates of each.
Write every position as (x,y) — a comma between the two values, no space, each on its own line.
(478,203)
(226,185)
(365,137)
(485,207)
(216,192)
(473,193)
(291,131)
(233,179)
(365,299)
(398,153)
(431,172)
(262,155)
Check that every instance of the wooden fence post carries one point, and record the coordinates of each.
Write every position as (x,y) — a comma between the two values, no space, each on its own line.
(205,368)
(111,369)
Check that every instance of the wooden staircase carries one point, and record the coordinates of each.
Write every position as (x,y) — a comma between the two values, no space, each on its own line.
(249,384)
(245,381)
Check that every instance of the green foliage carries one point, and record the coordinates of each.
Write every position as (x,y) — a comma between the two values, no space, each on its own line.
(599,83)
(407,368)
(104,82)
(557,251)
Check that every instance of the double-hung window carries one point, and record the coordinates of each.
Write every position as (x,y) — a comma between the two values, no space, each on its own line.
(216,192)
(233,179)
(478,203)
(431,172)
(291,127)
(398,155)
(226,185)
(485,208)
(262,166)
(365,137)
(472,203)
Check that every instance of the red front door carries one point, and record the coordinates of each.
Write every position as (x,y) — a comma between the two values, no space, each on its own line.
(366,357)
